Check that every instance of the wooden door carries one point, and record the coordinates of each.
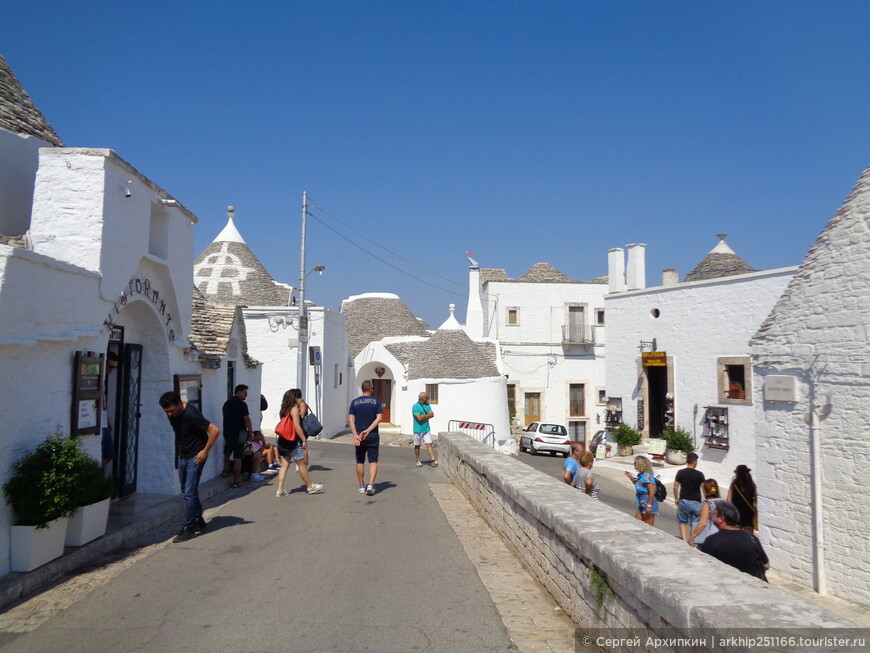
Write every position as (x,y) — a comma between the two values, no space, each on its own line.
(383,391)
(533,407)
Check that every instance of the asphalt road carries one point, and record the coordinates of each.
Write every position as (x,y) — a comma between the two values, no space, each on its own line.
(614,487)
(338,571)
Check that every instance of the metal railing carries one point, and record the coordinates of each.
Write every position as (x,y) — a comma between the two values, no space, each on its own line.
(583,334)
(480,431)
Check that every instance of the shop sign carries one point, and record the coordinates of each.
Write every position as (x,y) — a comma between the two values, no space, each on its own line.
(142,288)
(88,372)
(654,358)
(780,388)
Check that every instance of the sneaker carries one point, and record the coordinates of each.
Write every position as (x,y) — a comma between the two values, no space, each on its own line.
(257,477)
(370,489)
(419,464)
(200,526)
(434,463)
(362,489)
(275,466)
(281,493)
(315,488)
(296,466)
(184,534)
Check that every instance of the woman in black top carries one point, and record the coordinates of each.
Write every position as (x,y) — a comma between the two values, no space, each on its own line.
(742,495)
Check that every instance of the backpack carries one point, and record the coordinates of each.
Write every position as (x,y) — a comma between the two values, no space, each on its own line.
(286,432)
(661,491)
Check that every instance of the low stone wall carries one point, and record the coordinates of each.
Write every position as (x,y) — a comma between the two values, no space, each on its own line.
(606,569)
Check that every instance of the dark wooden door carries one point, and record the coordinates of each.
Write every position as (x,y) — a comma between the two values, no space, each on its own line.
(383,391)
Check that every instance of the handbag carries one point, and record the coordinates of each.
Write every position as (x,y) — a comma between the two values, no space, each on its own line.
(311,425)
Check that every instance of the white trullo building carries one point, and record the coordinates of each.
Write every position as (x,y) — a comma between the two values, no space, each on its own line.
(229,274)
(678,353)
(811,363)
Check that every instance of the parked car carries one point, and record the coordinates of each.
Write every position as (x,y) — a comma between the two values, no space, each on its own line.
(596,440)
(540,437)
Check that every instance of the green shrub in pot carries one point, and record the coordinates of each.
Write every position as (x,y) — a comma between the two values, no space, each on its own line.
(625,436)
(679,439)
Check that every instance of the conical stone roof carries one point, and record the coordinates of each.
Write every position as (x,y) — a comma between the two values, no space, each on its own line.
(18,114)
(228,272)
(375,316)
(720,262)
(545,273)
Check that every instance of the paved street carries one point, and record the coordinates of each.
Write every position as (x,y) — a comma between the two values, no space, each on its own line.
(338,571)
(616,489)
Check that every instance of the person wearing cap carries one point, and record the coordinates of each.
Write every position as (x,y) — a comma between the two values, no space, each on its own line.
(422,413)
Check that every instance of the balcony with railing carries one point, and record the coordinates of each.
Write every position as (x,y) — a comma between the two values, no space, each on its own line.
(583,334)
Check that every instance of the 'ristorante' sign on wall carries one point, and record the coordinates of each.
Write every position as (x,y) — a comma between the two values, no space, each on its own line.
(143,288)
(654,358)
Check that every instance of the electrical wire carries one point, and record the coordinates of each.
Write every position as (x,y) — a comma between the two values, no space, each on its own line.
(398,269)
(386,249)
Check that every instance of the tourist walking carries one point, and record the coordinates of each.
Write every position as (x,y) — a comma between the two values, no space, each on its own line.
(292,449)
(194,438)
(732,545)
(644,490)
(585,479)
(742,494)
(363,417)
(706,526)
(572,464)
(687,495)
(422,413)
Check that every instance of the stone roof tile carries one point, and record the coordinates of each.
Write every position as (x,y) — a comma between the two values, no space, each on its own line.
(210,328)
(544,273)
(720,262)
(448,354)
(18,114)
(369,318)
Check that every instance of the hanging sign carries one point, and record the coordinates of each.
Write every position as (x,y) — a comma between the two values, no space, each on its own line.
(142,288)
(654,358)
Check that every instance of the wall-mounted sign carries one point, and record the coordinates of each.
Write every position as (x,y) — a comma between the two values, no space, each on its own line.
(86,394)
(780,388)
(143,288)
(654,358)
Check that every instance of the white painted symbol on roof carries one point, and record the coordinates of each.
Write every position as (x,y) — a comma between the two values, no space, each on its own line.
(224,268)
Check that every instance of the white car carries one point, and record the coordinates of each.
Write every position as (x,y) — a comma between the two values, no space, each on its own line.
(540,437)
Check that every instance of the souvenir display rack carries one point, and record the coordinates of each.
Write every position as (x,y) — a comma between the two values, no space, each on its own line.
(716,427)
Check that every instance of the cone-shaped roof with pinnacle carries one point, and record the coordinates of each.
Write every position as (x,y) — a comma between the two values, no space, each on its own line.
(720,262)
(18,114)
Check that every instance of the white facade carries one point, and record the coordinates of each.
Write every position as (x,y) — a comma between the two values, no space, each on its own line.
(551,345)
(700,327)
(107,251)
(273,339)
(812,406)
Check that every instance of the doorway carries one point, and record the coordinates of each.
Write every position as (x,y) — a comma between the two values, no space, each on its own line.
(383,390)
(127,461)
(657,382)
(533,407)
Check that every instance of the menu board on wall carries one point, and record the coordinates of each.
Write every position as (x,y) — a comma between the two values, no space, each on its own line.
(86,393)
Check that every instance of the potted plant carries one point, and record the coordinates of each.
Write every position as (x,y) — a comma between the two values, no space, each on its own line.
(40,492)
(680,443)
(625,437)
(93,492)
(736,391)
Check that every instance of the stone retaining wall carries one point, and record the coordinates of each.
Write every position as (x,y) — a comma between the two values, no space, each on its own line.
(606,569)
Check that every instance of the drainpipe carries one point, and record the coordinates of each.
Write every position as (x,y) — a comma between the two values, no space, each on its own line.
(819,581)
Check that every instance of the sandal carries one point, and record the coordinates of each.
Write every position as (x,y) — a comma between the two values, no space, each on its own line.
(235,486)
(224,473)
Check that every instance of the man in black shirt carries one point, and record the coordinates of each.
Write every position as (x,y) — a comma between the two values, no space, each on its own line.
(687,495)
(194,438)
(731,544)
(237,430)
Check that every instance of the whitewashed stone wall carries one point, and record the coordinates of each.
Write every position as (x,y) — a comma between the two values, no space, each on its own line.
(698,323)
(532,354)
(569,541)
(273,340)
(818,333)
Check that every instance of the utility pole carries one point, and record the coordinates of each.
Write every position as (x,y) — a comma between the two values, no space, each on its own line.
(301,361)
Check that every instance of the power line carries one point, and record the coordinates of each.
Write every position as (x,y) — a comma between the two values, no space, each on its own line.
(405,272)
(386,249)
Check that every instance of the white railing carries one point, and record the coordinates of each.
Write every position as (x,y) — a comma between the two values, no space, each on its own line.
(582,334)
(480,431)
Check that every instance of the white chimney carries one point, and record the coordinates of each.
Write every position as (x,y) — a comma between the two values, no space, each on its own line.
(670,277)
(635,271)
(474,310)
(615,270)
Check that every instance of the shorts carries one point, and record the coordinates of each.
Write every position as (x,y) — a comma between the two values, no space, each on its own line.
(368,448)
(237,448)
(296,453)
(643,501)
(688,512)
(107,444)
(425,438)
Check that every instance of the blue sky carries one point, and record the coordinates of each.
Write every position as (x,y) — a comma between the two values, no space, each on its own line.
(522,131)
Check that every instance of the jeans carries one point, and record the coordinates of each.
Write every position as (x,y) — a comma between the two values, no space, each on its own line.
(188,474)
(689,512)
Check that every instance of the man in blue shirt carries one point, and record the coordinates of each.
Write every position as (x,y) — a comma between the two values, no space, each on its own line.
(363,418)
(572,464)
(422,413)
